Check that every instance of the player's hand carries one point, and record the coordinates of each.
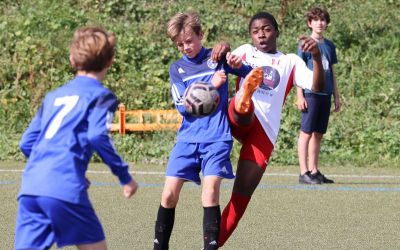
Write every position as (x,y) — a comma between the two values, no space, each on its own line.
(219,50)
(307,44)
(301,103)
(130,188)
(218,78)
(233,60)
(338,104)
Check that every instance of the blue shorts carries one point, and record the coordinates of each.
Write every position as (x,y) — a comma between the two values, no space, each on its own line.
(316,117)
(43,221)
(212,159)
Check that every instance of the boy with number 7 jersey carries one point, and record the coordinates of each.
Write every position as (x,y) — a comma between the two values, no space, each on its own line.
(72,123)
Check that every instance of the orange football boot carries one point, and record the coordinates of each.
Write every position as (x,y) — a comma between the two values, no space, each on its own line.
(250,84)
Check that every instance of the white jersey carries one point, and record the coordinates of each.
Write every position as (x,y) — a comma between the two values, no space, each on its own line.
(280,73)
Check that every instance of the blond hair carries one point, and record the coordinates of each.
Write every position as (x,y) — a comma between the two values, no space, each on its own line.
(92,48)
(181,22)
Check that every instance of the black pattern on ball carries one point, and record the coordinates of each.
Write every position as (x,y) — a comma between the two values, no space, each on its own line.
(201,99)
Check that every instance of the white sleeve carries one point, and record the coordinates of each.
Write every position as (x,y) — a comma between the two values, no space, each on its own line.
(303,76)
(240,51)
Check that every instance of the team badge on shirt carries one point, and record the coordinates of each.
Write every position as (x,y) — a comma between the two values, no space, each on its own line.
(271,78)
(211,64)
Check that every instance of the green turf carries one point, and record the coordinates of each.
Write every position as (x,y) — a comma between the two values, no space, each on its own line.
(360,211)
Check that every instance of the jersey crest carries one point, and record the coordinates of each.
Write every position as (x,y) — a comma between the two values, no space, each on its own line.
(211,64)
(271,78)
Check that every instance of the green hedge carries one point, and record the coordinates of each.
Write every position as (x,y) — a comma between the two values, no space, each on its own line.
(34,38)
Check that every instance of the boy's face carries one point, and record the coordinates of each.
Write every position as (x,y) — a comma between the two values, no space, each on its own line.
(318,25)
(189,43)
(263,35)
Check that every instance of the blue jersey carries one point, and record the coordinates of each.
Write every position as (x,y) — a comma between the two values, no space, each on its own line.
(186,71)
(71,124)
(328,57)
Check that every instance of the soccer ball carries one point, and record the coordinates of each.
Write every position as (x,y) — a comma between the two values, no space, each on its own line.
(201,99)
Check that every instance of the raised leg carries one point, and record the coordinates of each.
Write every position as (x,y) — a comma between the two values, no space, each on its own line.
(248,177)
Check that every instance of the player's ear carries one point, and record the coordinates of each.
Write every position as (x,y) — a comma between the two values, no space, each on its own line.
(201,35)
(71,60)
(309,24)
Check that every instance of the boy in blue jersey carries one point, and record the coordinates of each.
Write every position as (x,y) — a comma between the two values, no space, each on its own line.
(202,144)
(316,107)
(72,122)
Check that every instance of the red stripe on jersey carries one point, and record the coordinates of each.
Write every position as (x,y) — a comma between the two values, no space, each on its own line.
(289,86)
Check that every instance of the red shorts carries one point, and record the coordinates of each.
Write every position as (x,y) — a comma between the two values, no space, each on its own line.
(256,145)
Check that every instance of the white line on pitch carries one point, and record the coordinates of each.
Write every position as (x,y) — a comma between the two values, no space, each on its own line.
(266,174)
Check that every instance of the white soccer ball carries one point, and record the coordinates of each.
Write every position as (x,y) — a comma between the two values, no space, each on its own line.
(201,99)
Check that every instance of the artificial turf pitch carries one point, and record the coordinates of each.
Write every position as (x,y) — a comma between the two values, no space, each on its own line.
(360,211)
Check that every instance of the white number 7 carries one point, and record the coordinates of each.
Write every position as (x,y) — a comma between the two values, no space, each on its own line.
(69,103)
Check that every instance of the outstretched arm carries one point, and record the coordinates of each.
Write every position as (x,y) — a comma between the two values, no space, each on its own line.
(308,44)
(99,121)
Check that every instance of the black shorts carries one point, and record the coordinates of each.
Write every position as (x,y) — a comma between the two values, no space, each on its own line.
(316,117)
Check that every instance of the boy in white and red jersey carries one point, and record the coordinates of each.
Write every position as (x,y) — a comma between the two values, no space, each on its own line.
(255,112)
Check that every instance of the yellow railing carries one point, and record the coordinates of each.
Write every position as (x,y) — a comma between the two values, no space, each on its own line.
(146,120)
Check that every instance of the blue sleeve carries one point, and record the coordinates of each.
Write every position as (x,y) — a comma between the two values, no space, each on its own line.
(334,56)
(177,90)
(242,71)
(31,134)
(100,119)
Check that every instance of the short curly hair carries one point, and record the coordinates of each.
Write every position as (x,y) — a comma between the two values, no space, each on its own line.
(264,15)
(318,12)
